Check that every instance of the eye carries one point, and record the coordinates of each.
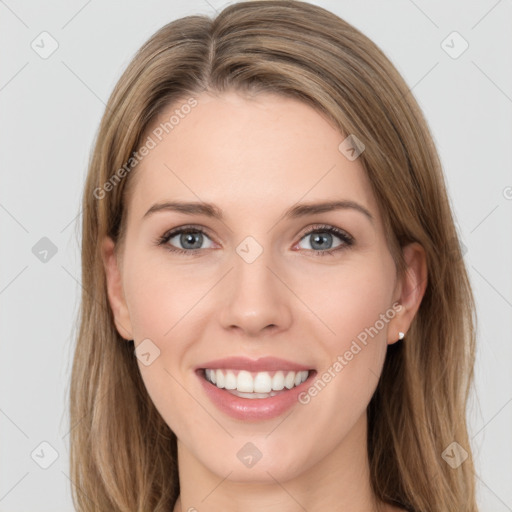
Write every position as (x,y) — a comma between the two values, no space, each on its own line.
(191,239)
(321,242)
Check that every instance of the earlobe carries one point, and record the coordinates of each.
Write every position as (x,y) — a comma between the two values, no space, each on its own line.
(115,289)
(413,285)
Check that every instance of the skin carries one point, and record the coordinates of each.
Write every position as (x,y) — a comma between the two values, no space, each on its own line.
(254,157)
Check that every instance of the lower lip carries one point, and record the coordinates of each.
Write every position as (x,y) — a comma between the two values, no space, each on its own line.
(253,409)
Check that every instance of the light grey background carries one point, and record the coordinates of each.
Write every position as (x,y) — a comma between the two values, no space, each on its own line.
(51,109)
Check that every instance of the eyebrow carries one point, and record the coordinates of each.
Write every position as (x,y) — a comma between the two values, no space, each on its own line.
(300,210)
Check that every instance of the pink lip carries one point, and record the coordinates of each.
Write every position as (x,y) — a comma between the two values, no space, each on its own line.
(255,409)
(251,365)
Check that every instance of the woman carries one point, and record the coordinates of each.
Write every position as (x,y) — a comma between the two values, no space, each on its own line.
(313,347)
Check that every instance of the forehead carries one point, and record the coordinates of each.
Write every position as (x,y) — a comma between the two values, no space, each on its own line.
(247,153)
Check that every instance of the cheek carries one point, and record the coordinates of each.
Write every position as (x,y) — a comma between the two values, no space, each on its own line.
(353,300)
(160,298)
(160,302)
(355,306)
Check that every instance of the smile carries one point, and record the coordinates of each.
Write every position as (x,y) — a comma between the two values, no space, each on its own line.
(247,384)
(254,390)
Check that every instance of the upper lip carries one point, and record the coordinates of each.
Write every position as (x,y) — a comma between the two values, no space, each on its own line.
(253,365)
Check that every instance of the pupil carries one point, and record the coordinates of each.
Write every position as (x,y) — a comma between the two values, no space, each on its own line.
(189,238)
(319,240)
(316,239)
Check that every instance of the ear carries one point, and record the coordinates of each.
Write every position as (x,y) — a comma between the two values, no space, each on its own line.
(411,289)
(115,289)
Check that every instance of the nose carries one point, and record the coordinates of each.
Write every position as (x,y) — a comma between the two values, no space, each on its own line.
(255,298)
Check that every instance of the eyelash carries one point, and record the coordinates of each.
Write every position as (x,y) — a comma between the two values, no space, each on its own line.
(323,228)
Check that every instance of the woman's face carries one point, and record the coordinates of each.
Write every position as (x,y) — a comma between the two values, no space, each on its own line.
(309,295)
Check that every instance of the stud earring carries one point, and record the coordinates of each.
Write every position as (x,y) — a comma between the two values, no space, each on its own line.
(401,335)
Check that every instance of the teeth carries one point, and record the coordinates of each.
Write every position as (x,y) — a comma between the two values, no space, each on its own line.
(278,381)
(230,382)
(289,380)
(242,381)
(262,382)
(211,376)
(220,380)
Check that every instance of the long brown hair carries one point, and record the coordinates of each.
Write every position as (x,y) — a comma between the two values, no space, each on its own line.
(123,455)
